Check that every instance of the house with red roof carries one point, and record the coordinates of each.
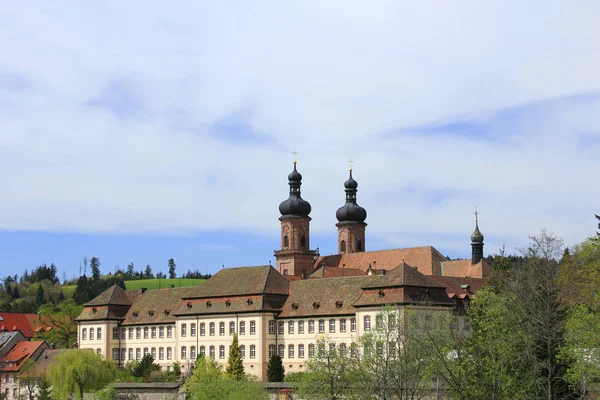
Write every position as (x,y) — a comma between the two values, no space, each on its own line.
(28,324)
(12,363)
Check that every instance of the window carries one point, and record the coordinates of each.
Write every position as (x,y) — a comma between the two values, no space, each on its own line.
(169,353)
(212,352)
(243,351)
(253,327)
(291,351)
(145,351)
(358,245)
(212,329)
(379,321)
(343,325)
(115,353)
(281,350)
(331,347)
(353,325)
(232,327)
(84,334)
(379,349)
(343,246)
(161,332)
(343,349)
(115,333)
(221,351)
(242,327)
(161,353)
(202,351)
(392,321)
(123,333)
(286,241)
(193,329)
(91,333)
(302,241)
(138,333)
(183,352)
(392,349)
(130,354)
(130,333)
(311,350)
(311,326)
(281,327)
(123,353)
(367,321)
(99,334)
(146,333)
(222,328)
(291,327)
(169,332)
(153,332)
(202,329)
(321,349)
(331,325)
(183,330)
(153,353)
(252,351)
(271,327)
(271,350)
(321,326)
(138,354)
(300,327)
(300,351)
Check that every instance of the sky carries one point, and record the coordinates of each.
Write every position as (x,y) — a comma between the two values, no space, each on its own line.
(140,131)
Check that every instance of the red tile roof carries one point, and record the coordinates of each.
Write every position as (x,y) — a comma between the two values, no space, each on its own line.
(21,322)
(334,272)
(22,351)
(464,268)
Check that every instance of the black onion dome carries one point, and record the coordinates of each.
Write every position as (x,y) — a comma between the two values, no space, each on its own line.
(351,212)
(295,205)
(477,236)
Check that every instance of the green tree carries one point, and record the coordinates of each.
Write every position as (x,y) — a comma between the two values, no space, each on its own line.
(61,317)
(77,371)
(44,391)
(172,274)
(39,295)
(235,366)
(275,370)
(144,367)
(95,264)
(148,272)
(208,382)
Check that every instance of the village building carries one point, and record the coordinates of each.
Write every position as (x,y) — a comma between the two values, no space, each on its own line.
(14,363)
(282,309)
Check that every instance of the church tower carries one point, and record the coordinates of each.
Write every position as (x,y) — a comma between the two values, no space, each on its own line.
(476,242)
(351,217)
(295,257)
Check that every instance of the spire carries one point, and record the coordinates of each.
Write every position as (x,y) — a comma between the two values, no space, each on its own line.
(351,212)
(476,236)
(476,242)
(295,205)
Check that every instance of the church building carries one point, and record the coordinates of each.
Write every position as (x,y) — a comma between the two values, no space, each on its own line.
(282,309)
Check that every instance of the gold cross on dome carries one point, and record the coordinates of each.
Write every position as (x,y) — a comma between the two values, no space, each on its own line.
(294,153)
(350,161)
(476,214)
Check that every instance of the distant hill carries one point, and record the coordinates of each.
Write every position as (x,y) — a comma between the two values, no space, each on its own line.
(162,283)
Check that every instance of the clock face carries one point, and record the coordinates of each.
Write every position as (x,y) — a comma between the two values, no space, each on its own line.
(286,229)
(303,229)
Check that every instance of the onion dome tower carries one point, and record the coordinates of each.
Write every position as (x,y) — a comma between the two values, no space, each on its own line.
(295,257)
(476,242)
(351,217)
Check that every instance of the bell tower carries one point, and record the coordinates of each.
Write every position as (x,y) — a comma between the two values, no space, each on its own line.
(351,217)
(295,257)
(476,242)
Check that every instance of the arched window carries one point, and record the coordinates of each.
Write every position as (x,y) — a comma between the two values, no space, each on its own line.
(343,246)
(286,241)
(359,245)
(302,241)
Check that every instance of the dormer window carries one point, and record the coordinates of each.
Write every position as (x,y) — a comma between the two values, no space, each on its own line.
(339,304)
(208,304)
(295,306)
(135,314)
(316,305)
(228,303)
(189,305)
(151,313)
(250,302)
(94,310)
(167,312)
(381,293)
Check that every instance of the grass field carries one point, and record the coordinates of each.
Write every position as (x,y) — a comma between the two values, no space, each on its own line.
(162,283)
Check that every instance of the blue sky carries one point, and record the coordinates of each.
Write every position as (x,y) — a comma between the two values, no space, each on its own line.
(137,133)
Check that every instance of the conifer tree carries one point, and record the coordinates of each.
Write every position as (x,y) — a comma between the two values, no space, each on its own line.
(172,274)
(39,296)
(95,264)
(275,370)
(235,367)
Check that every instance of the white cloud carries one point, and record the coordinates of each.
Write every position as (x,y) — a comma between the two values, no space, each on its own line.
(332,79)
